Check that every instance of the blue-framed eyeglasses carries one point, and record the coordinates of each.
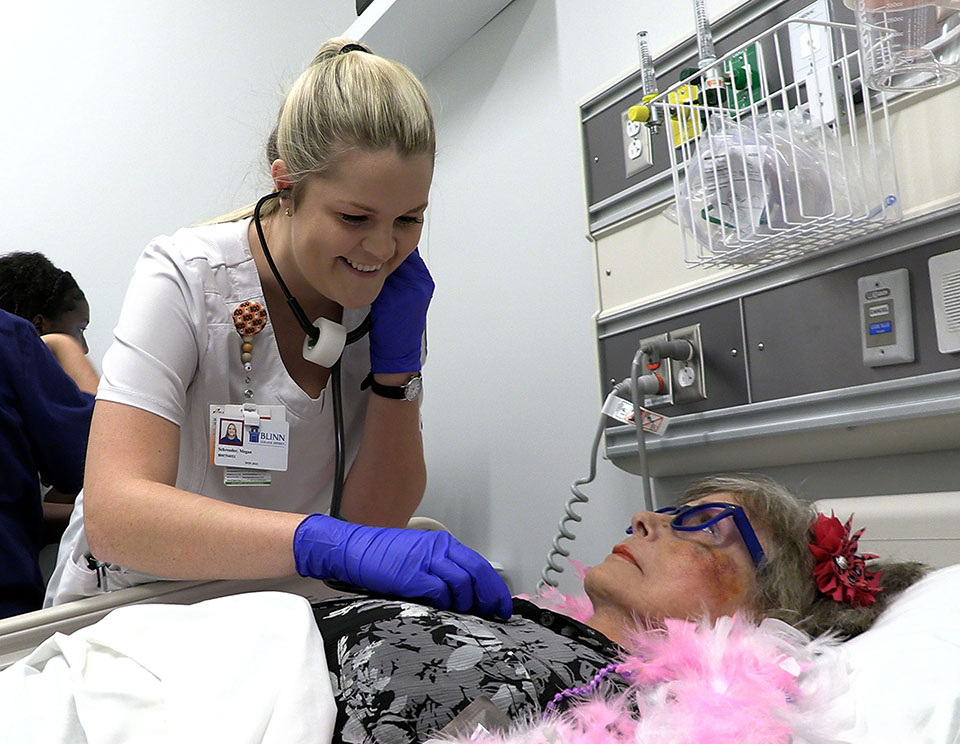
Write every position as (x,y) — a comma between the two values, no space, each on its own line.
(709,523)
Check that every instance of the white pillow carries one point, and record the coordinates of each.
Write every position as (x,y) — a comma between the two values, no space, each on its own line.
(905,671)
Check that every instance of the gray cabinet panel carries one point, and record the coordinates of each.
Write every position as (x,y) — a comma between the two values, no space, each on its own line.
(810,330)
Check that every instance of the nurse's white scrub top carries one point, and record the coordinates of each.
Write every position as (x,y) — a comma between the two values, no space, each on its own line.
(176,352)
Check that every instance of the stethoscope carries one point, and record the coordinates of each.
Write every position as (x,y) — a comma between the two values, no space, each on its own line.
(323,345)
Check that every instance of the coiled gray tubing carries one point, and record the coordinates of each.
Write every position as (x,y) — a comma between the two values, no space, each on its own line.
(579,497)
(635,386)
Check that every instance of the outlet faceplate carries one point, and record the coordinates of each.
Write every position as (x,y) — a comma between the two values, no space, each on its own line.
(683,380)
(637,146)
(689,384)
(886,318)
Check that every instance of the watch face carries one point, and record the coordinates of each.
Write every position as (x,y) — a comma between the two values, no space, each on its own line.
(411,391)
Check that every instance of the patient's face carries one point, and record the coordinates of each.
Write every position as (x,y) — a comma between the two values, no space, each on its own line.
(658,573)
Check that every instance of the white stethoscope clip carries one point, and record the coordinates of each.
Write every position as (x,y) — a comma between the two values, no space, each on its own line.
(328,347)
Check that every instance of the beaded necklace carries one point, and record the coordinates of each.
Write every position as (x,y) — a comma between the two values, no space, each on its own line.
(584,689)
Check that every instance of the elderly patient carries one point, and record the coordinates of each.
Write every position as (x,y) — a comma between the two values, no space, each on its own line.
(738,544)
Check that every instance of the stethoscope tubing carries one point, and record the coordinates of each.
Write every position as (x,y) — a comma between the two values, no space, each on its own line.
(336,388)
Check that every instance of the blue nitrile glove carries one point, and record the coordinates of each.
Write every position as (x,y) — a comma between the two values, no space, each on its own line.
(400,563)
(398,317)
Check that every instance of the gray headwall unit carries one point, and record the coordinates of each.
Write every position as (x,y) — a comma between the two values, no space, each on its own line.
(807,396)
(785,379)
(796,338)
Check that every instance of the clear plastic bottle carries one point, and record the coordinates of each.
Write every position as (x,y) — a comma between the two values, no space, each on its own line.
(908,44)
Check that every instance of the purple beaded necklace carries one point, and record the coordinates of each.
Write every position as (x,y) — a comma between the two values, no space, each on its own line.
(584,689)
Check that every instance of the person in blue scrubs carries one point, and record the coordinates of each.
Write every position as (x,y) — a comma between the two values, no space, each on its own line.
(44,423)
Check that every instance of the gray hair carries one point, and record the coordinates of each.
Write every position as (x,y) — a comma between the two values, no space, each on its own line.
(785,585)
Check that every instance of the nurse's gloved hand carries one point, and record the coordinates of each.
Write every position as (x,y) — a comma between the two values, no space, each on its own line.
(401,563)
(398,317)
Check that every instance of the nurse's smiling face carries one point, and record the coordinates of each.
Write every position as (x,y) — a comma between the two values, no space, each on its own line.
(352,226)
(658,572)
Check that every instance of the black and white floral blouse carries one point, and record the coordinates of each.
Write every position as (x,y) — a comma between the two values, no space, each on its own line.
(402,671)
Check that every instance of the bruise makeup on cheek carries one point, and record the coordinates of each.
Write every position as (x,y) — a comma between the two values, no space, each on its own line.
(723,580)
(727,578)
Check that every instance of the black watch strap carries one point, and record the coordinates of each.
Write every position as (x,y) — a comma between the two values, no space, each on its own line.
(409,391)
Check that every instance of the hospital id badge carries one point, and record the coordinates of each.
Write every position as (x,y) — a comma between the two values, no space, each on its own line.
(249,441)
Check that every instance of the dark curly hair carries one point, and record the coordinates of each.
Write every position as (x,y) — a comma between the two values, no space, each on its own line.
(30,285)
(786,587)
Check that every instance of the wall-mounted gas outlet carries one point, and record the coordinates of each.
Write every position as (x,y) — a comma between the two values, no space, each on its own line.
(688,380)
(637,147)
(665,398)
(683,379)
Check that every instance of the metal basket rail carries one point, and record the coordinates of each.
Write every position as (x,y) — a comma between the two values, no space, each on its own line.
(769,167)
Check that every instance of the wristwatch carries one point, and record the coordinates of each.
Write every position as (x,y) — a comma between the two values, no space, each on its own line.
(410,390)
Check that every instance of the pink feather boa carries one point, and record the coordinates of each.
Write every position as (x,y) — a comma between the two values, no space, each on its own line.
(702,683)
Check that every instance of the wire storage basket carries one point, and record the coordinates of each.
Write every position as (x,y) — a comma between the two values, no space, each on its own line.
(785,155)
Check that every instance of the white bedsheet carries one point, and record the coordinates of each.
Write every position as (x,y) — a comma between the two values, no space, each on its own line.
(246,668)
(904,683)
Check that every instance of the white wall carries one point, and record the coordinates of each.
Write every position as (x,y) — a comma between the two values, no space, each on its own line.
(513,395)
(125,119)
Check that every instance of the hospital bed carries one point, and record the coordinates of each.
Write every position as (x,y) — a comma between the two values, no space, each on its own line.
(919,527)
(21,634)
(904,680)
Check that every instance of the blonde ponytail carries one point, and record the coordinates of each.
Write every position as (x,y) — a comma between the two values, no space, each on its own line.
(347,98)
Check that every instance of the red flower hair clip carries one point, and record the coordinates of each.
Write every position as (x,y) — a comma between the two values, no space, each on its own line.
(840,571)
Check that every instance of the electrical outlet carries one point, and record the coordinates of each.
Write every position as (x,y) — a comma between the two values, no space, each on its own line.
(637,145)
(665,371)
(688,383)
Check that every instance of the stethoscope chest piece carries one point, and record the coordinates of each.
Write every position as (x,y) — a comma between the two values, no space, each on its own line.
(328,347)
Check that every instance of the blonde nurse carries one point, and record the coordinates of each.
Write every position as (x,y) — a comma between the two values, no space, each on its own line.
(208,337)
